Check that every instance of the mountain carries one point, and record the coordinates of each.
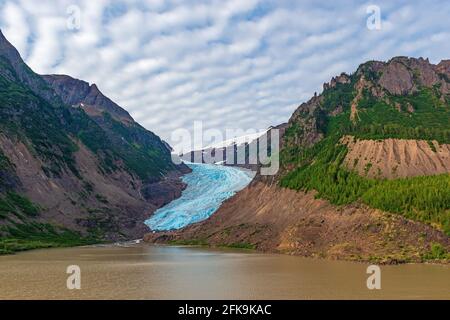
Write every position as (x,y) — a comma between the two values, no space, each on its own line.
(88,97)
(364,173)
(239,151)
(75,166)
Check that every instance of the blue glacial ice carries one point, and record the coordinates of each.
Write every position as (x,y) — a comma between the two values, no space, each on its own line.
(208,185)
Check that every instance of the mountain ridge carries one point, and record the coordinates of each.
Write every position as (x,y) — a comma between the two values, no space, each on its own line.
(322,206)
(62,137)
(76,92)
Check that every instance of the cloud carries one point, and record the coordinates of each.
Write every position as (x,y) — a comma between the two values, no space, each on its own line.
(16,26)
(231,64)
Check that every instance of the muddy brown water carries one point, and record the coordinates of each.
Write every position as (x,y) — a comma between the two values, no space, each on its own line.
(158,272)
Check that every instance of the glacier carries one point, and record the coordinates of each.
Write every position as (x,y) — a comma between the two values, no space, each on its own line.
(208,186)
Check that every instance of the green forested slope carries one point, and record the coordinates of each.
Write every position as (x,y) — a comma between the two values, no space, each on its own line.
(422,114)
(33,114)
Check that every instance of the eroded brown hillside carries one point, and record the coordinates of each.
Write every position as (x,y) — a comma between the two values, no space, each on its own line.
(274,219)
(396,158)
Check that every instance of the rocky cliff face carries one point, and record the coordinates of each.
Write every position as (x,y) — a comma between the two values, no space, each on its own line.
(74,161)
(88,97)
(331,199)
(401,76)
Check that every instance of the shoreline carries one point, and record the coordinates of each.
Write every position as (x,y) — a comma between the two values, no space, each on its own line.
(199,244)
(222,249)
(256,251)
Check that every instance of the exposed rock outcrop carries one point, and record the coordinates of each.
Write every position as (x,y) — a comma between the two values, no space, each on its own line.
(403,75)
(78,92)
(343,78)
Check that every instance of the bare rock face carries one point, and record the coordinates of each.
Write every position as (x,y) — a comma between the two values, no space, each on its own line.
(342,79)
(162,192)
(424,72)
(397,79)
(75,92)
(443,70)
(72,91)
(8,50)
(443,67)
(360,86)
(403,75)
(305,117)
(8,176)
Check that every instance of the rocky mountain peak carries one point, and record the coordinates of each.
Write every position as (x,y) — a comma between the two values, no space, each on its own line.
(14,68)
(374,81)
(342,78)
(91,99)
(443,67)
(70,89)
(7,50)
(405,75)
(55,88)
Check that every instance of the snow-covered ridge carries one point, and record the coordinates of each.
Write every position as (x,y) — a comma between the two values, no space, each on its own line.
(238,141)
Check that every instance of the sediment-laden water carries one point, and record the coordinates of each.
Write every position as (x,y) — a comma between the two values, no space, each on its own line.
(151,272)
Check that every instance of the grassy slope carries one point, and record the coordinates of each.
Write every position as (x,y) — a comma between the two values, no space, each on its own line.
(37,235)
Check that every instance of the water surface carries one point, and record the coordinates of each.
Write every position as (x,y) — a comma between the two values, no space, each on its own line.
(152,272)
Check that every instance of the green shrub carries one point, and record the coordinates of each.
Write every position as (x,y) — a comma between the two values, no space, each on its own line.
(425,199)
(27,236)
(13,203)
(437,252)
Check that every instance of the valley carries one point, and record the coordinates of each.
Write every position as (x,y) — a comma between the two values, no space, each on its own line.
(364,173)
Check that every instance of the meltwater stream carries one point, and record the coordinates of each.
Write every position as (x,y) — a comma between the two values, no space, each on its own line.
(208,186)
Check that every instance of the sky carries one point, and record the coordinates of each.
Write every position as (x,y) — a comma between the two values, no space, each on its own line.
(237,64)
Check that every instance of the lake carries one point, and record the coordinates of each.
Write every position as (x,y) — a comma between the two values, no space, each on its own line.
(141,271)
